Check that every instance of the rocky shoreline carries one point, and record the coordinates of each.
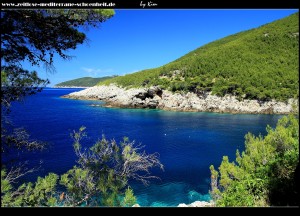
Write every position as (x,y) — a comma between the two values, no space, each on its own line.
(198,204)
(156,98)
(193,204)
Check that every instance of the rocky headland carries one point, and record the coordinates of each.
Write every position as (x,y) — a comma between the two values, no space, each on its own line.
(70,87)
(156,98)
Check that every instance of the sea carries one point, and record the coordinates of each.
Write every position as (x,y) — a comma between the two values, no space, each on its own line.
(187,142)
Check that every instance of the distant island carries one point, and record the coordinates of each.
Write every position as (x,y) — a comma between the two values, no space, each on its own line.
(83,82)
(254,71)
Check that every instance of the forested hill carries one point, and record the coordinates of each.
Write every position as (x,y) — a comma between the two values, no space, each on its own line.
(261,63)
(83,82)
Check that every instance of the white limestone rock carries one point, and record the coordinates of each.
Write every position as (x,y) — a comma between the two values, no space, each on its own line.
(154,97)
(197,204)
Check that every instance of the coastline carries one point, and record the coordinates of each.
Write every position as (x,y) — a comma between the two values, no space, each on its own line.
(70,87)
(156,98)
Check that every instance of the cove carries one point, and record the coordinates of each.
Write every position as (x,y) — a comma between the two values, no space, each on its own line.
(188,143)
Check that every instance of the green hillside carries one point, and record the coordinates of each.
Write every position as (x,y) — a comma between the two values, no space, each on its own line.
(83,82)
(261,63)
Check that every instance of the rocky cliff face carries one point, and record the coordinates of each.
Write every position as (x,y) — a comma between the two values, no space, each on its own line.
(156,98)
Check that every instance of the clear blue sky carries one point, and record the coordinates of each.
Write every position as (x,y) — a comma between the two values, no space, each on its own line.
(134,40)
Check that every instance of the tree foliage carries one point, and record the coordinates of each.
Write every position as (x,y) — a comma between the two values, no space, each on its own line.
(41,193)
(104,170)
(263,174)
(13,139)
(261,63)
(17,83)
(36,35)
(100,178)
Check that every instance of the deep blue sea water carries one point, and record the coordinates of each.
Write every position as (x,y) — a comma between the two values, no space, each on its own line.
(188,143)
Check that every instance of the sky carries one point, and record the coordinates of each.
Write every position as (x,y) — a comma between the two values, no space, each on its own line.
(135,40)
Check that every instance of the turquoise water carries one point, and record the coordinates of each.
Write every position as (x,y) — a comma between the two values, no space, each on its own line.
(188,143)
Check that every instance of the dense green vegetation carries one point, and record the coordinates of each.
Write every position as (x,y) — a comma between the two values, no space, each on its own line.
(83,82)
(100,178)
(265,173)
(261,63)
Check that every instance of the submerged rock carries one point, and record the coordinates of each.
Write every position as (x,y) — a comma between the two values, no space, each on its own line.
(182,205)
(156,98)
(198,204)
